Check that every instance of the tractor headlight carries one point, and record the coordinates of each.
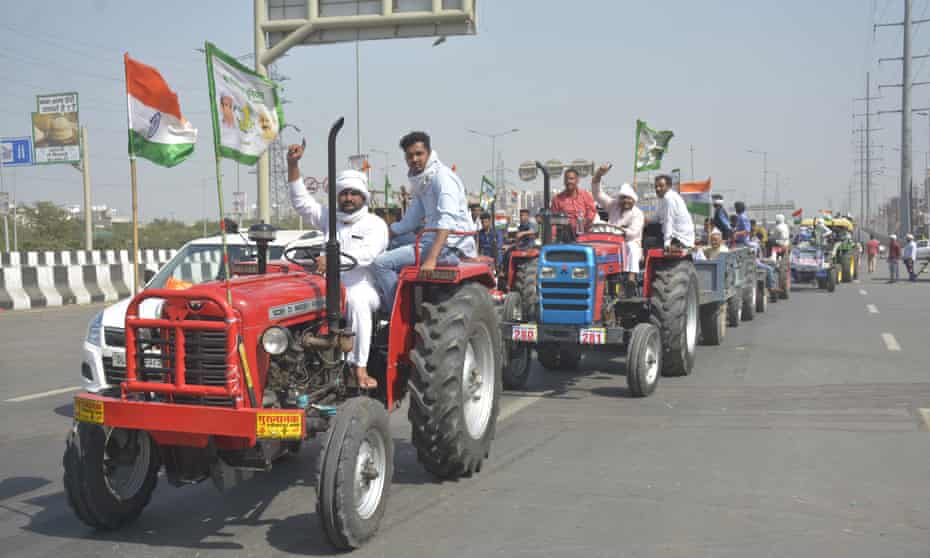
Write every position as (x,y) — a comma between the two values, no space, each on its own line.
(579,273)
(275,340)
(95,330)
(547,272)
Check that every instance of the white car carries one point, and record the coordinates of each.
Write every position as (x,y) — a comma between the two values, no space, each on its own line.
(923,250)
(103,363)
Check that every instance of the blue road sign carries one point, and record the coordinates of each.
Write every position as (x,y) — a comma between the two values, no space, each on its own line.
(16,152)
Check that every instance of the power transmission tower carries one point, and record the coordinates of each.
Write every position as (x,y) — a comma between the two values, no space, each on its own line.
(277,153)
(905,85)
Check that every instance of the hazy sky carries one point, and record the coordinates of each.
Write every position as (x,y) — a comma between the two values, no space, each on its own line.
(725,76)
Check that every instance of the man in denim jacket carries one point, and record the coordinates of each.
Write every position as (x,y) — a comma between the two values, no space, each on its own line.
(439,202)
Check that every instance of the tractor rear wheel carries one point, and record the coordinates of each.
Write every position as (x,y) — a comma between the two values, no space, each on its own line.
(553,357)
(675,306)
(713,323)
(525,283)
(734,311)
(455,382)
(516,355)
(110,474)
(355,472)
(643,360)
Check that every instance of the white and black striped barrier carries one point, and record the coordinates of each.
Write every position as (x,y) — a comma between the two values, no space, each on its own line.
(41,279)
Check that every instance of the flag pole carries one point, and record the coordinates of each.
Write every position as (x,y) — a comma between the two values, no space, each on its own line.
(135,190)
(635,152)
(208,55)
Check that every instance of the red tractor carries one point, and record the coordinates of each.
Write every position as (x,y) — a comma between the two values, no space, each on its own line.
(574,298)
(237,373)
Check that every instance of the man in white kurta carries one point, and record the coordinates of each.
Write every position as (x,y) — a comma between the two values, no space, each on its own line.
(677,226)
(622,212)
(362,235)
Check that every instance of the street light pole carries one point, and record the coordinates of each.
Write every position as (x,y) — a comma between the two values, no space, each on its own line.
(493,138)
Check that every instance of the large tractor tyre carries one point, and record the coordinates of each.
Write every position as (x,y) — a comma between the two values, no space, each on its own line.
(762,298)
(675,307)
(356,465)
(713,323)
(734,311)
(516,356)
(832,280)
(749,302)
(455,383)
(553,357)
(643,360)
(110,474)
(525,283)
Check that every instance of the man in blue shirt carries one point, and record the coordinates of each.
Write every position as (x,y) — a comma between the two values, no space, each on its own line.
(742,232)
(721,218)
(490,240)
(438,203)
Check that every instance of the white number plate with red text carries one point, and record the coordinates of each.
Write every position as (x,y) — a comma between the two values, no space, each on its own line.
(592,336)
(525,333)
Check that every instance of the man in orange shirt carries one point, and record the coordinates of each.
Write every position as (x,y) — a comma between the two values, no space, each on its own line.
(574,202)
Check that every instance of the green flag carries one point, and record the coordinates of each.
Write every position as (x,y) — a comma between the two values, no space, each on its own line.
(487,193)
(650,146)
(387,191)
(246,110)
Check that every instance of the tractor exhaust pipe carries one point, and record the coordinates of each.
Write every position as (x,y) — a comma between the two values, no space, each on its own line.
(333,306)
(547,225)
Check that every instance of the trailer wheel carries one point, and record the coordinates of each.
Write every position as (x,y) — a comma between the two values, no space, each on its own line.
(643,360)
(734,311)
(525,283)
(713,323)
(675,306)
(455,382)
(355,472)
(762,298)
(749,302)
(553,357)
(516,355)
(110,474)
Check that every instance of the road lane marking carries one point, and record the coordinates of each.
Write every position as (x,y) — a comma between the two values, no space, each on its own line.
(926,414)
(890,342)
(523,402)
(863,292)
(48,393)
(872,308)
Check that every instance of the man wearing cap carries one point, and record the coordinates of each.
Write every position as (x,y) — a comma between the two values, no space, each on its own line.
(894,254)
(721,219)
(909,255)
(622,212)
(362,235)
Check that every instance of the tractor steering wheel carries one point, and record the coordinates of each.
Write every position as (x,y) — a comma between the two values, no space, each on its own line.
(311,266)
(602,227)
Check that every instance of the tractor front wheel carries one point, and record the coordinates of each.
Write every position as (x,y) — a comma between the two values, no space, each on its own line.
(355,472)
(110,474)
(832,280)
(643,360)
(455,382)
(516,355)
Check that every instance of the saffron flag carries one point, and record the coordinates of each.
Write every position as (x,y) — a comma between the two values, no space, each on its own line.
(157,130)
(697,196)
(246,110)
(797,216)
(650,146)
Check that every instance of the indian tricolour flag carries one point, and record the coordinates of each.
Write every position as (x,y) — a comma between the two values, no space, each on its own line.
(157,131)
(697,196)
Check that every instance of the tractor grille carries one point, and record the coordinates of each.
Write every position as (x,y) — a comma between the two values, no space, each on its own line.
(564,295)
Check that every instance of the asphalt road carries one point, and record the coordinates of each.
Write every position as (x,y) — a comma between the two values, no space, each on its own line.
(802,435)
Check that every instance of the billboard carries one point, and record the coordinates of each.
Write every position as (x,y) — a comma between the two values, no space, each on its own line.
(55,129)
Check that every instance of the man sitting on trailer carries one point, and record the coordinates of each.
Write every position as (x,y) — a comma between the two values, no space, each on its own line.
(716,247)
(677,226)
(362,235)
(439,200)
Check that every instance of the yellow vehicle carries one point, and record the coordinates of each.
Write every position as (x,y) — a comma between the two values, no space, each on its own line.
(845,251)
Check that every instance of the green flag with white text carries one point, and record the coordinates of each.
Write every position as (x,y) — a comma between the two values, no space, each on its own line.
(651,145)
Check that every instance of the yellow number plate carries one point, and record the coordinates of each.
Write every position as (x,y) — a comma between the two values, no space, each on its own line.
(278,426)
(86,410)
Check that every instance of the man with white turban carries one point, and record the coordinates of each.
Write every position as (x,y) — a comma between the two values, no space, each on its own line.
(622,212)
(362,235)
